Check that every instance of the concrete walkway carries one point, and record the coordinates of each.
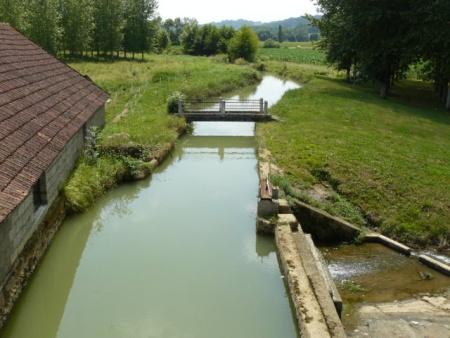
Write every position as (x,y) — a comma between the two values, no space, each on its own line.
(414,318)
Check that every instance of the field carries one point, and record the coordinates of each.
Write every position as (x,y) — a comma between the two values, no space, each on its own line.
(297,52)
(375,162)
(137,114)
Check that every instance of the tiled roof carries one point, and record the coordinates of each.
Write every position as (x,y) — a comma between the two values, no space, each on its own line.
(43,103)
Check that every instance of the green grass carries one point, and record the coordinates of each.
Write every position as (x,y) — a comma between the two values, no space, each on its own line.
(139,91)
(137,114)
(296,52)
(389,159)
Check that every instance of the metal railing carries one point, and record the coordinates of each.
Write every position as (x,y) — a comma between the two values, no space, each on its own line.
(223,107)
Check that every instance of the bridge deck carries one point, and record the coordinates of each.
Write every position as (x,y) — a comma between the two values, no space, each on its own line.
(231,110)
(202,116)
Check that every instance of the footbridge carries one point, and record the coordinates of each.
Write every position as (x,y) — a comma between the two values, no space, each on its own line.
(225,110)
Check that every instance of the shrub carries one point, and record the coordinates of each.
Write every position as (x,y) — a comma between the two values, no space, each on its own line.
(271,44)
(172,102)
(244,45)
(240,62)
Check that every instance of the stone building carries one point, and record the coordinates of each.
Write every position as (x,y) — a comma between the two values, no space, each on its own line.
(46,107)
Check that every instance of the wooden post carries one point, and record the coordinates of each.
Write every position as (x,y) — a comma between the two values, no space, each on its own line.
(222,107)
(261,105)
(266,107)
(180,106)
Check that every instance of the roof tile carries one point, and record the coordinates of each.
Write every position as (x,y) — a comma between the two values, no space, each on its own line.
(43,104)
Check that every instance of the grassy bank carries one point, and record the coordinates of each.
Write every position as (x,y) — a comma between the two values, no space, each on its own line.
(138,128)
(385,163)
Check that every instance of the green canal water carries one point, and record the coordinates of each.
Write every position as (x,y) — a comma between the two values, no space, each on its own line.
(172,256)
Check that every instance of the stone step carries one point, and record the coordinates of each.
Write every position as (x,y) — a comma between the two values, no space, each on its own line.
(283,207)
(288,220)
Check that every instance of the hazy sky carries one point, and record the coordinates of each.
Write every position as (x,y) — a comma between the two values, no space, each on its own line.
(216,10)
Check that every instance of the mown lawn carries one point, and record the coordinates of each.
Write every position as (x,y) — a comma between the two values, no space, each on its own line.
(137,115)
(388,160)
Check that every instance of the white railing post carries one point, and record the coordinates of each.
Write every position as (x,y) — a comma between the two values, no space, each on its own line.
(222,107)
(266,107)
(180,106)
(261,105)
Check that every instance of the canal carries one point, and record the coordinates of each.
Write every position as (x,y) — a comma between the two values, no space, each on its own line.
(175,255)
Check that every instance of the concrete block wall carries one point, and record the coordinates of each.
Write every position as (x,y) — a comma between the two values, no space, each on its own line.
(20,225)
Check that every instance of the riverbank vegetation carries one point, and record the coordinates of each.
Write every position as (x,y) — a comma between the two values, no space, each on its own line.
(381,163)
(381,42)
(385,164)
(138,128)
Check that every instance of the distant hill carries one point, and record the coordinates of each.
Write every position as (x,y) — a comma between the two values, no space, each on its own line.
(294,29)
(290,23)
(237,23)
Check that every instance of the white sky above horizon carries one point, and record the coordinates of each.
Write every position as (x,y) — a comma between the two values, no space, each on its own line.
(206,11)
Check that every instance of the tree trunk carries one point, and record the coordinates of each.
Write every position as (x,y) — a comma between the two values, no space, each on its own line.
(348,74)
(448,98)
(384,90)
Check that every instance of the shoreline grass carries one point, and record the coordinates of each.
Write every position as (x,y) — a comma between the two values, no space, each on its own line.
(137,122)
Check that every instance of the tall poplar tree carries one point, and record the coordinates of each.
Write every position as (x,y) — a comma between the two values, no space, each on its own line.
(136,32)
(11,11)
(43,26)
(108,22)
(77,23)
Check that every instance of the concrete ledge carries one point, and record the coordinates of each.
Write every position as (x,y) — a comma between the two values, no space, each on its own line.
(378,238)
(322,226)
(307,310)
(323,269)
(435,264)
(319,285)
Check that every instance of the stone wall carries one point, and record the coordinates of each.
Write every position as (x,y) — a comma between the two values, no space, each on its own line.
(23,222)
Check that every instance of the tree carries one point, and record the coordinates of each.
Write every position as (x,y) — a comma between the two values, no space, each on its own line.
(77,24)
(434,43)
(280,34)
(108,21)
(375,36)
(163,40)
(189,38)
(205,40)
(43,25)
(11,11)
(244,45)
(136,32)
(175,28)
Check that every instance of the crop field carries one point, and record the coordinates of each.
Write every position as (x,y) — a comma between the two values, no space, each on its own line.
(296,52)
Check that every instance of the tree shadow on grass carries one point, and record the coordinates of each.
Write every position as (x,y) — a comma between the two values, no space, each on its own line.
(100,59)
(416,99)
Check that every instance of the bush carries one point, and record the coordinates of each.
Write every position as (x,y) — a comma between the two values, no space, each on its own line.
(271,44)
(240,62)
(172,102)
(244,45)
